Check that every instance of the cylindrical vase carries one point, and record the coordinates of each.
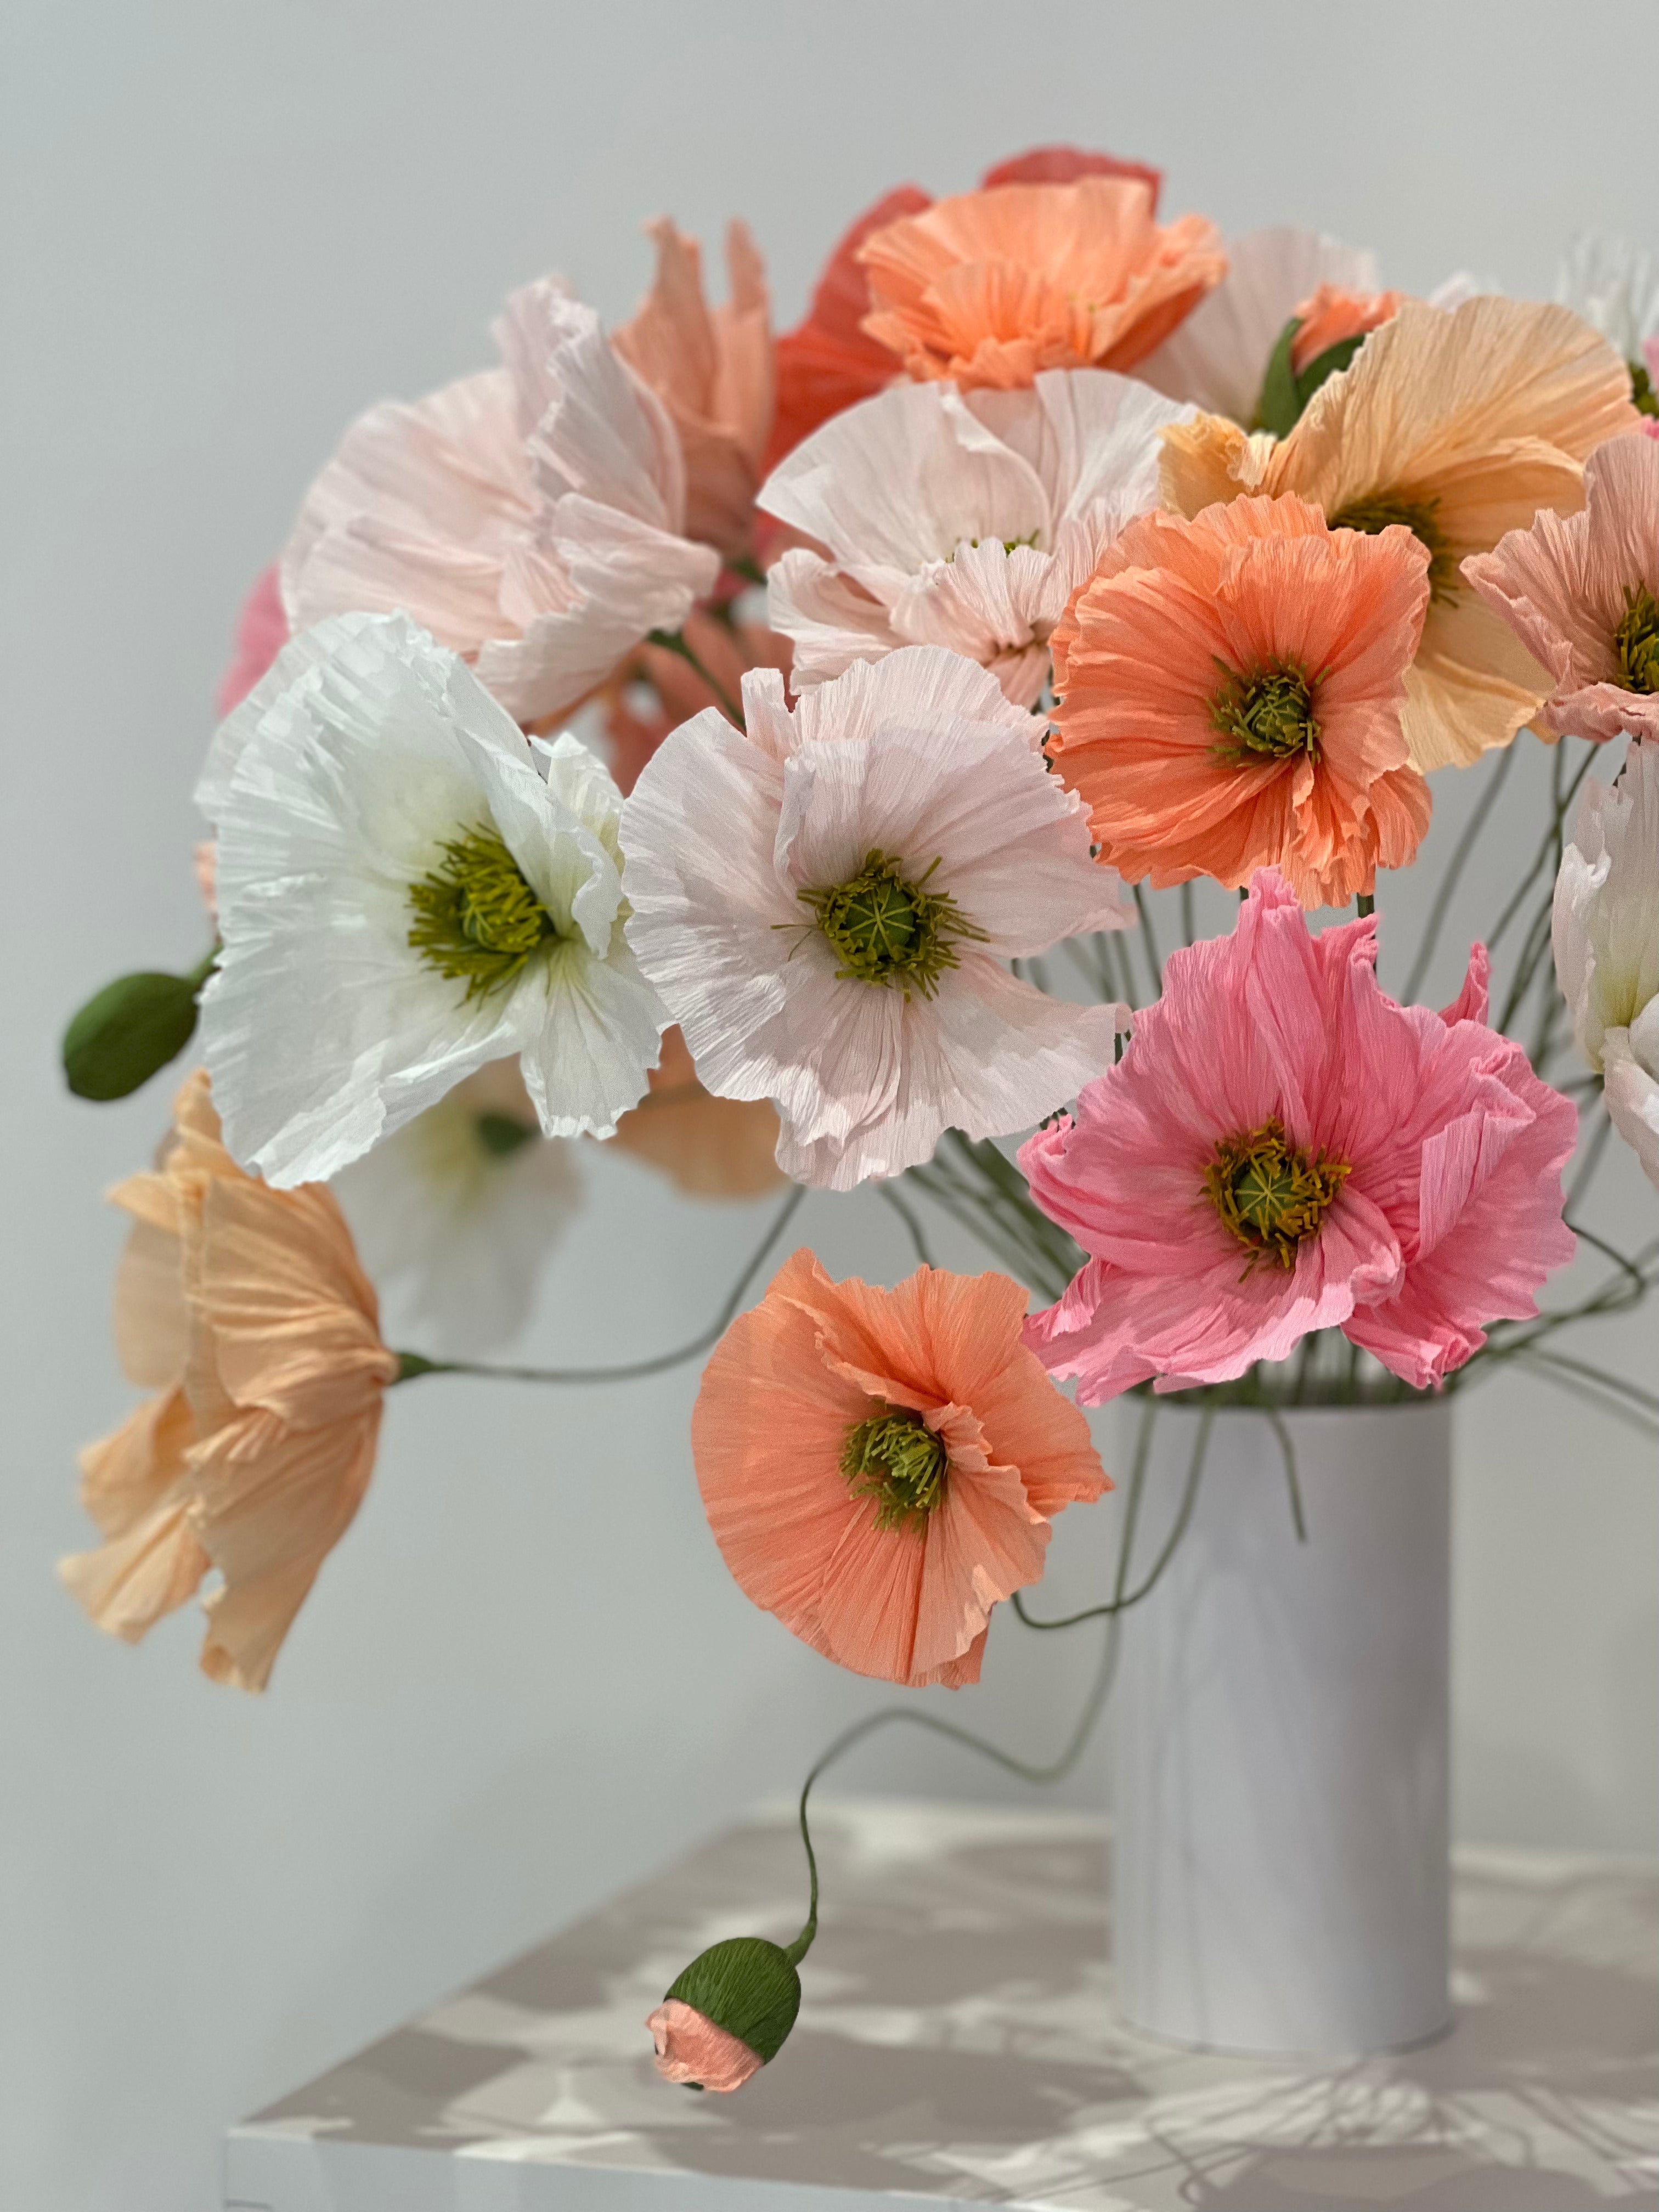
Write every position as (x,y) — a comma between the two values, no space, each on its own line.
(1281,1876)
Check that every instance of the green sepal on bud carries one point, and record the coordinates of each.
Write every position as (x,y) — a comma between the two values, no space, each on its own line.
(747,1986)
(129,1031)
(1285,391)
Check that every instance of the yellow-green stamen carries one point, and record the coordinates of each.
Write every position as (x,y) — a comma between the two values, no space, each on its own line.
(1422,518)
(897,1458)
(1270,1193)
(1636,640)
(886,929)
(475,917)
(1267,715)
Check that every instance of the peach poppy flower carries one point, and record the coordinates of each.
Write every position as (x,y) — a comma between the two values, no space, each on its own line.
(1579,593)
(1459,426)
(992,287)
(1230,697)
(828,362)
(692,2048)
(880,1467)
(656,688)
(708,1147)
(713,370)
(244,1309)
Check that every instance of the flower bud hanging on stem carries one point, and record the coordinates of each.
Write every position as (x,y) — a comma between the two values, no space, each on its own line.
(729,2012)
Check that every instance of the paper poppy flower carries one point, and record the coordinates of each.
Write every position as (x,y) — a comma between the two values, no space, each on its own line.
(965,520)
(1606,944)
(1230,693)
(829,361)
(880,1467)
(244,1309)
(531,517)
(992,287)
(1282,1149)
(713,370)
(261,634)
(825,899)
(1458,426)
(408,890)
(1581,592)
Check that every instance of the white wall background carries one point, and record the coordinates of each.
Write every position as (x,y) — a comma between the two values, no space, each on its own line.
(526,1675)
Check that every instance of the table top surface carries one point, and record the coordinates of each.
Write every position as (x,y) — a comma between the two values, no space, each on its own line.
(957,2045)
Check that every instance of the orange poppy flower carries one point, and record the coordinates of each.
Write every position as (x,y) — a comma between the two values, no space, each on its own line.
(1232,690)
(1461,426)
(244,1309)
(708,1147)
(991,288)
(880,1467)
(828,362)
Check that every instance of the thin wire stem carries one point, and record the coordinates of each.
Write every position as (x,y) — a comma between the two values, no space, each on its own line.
(906,1215)
(1189,915)
(414,1363)
(673,641)
(1455,867)
(1584,1173)
(1149,938)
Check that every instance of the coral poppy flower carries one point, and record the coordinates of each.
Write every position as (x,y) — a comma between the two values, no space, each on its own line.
(244,1309)
(880,1467)
(1459,426)
(657,688)
(531,517)
(713,371)
(1282,1149)
(708,1147)
(1582,593)
(989,288)
(1332,313)
(1230,697)
(692,2048)
(828,362)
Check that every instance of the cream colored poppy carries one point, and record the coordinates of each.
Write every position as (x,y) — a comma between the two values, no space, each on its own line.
(1462,426)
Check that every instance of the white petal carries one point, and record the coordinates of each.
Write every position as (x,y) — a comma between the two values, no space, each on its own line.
(1219,354)
(1632,1089)
(597,1027)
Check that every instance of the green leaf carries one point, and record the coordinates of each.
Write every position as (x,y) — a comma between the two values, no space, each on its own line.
(1281,402)
(1331,363)
(127,1031)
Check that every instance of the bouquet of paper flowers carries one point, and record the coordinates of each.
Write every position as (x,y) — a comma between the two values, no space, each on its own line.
(765,753)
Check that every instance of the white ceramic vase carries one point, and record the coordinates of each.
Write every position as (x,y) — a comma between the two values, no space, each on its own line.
(1281,1878)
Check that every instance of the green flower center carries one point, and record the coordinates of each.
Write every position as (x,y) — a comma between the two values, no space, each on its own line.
(895,1458)
(1268,715)
(1636,640)
(1422,518)
(1643,397)
(500,1135)
(886,929)
(475,917)
(1269,1193)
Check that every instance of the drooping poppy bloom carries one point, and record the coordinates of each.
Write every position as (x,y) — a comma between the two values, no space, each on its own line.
(244,1309)
(992,287)
(961,520)
(713,370)
(1230,693)
(829,361)
(531,517)
(1606,944)
(880,1467)
(1282,1148)
(824,900)
(1459,426)
(1581,592)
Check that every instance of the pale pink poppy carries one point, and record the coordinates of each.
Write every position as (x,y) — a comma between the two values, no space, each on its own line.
(713,370)
(1282,1148)
(1579,591)
(825,899)
(531,517)
(964,520)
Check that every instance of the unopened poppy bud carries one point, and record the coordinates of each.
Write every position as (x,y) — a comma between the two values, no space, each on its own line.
(728,2013)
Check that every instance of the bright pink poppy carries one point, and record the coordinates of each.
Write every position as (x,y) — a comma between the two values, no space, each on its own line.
(261,634)
(1284,1148)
